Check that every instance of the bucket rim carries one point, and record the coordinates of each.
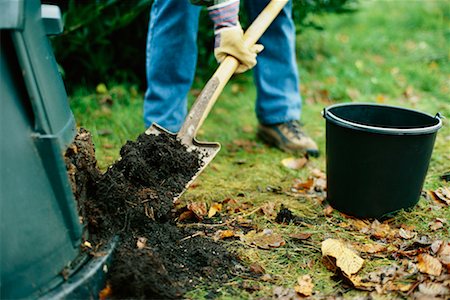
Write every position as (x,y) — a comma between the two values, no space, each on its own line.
(329,116)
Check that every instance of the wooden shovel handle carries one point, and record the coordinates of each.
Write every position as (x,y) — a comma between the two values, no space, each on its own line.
(220,78)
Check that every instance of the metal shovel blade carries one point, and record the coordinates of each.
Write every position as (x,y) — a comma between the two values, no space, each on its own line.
(206,150)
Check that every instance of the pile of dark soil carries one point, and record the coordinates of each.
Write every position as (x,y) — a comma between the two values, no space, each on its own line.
(133,199)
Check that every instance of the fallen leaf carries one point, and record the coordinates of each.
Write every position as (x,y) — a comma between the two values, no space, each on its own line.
(370,248)
(284,293)
(327,210)
(266,239)
(443,254)
(304,186)
(187,215)
(406,234)
(381,230)
(106,293)
(360,225)
(442,195)
(141,242)
(318,173)
(320,184)
(223,234)
(300,236)
(198,208)
(214,209)
(87,244)
(345,259)
(294,163)
(268,209)
(257,269)
(266,278)
(436,224)
(304,286)
(433,289)
(429,265)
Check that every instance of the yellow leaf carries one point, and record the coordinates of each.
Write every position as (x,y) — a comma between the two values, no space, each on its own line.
(294,163)
(216,207)
(304,286)
(429,265)
(346,260)
(141,242)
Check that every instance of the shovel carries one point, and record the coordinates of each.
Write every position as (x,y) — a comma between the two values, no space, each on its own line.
(211,92)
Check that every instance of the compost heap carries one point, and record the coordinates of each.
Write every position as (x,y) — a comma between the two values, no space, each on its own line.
(134,200)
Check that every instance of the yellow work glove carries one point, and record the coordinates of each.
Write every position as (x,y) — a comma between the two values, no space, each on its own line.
(230,41)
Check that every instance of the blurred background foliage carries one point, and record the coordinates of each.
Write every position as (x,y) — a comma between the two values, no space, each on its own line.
(105,40)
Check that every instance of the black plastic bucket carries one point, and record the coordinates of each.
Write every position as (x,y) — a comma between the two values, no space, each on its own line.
(377,157)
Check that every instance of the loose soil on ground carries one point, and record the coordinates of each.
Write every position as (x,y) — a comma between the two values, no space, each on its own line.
(133,199)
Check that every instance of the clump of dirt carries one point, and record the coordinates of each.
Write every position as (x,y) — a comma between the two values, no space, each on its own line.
(285,216)
(133,199)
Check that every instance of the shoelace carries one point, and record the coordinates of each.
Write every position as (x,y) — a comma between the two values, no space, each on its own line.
(294,126)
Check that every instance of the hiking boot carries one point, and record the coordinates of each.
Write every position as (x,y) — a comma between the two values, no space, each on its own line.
(288,137)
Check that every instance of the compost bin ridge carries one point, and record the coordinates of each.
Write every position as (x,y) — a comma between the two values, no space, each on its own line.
(134,199)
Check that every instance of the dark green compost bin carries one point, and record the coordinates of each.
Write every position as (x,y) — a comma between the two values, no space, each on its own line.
(40,228)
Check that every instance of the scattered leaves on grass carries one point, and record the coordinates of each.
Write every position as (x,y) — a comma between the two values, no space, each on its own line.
(336,255)
(304,286)
(266,239)
(268,209)
(327,210)
(406,234)
(294,163)
(436,224)
(429,265)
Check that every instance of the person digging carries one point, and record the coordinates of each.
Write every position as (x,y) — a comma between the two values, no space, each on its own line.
(171,59)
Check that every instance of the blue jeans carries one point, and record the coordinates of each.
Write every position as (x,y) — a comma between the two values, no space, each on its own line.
(172,59)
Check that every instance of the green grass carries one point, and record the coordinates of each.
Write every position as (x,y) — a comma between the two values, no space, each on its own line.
(391,52)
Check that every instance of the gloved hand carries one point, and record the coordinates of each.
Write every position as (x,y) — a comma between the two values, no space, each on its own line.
(229,36)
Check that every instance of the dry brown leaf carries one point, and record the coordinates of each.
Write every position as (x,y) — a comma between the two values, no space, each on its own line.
(198,208)
(300,236)
(429,265)
(304,286)
(434,289)
(436,224)
(406,234)
(381,230)
(442,195)
(345,259)
(294,163)
(214,209)
(186,216)
(320,184)
(284,293)
(360,225)
(327,210)
(304,186)
(141,242)
(268,209)
(106,293)
(370,248)
(266,239)
(257,268)
(443,254)
(318,173)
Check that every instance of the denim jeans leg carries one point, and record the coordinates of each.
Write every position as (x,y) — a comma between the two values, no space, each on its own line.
(276,74)
(171,61)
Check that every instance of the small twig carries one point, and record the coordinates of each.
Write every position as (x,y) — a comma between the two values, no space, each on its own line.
(193,235)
